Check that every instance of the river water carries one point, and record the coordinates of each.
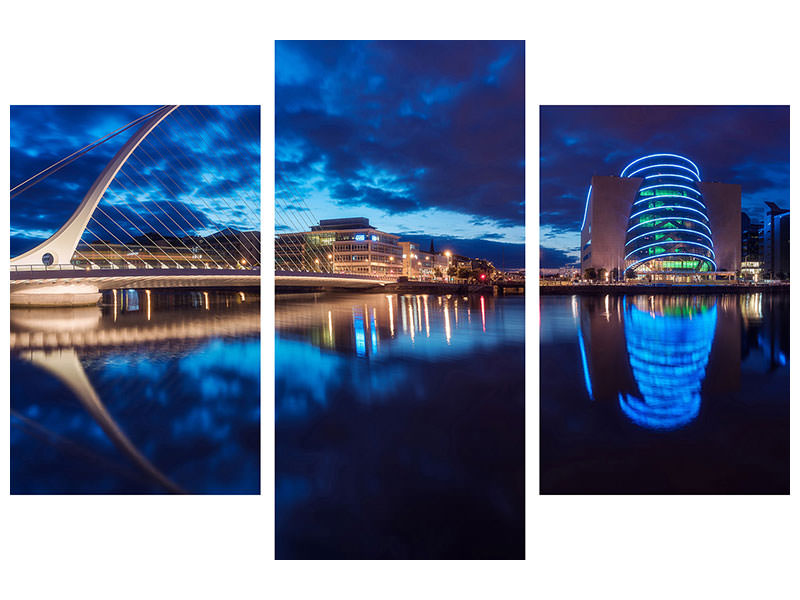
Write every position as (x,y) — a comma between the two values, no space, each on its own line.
(665,394)
(399,426)
(152,392)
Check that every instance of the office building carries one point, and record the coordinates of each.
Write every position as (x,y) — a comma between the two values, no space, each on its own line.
(348,245)
(776,241)
(419,264)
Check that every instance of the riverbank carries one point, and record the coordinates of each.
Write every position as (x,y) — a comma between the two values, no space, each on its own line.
(414,287)
(621,288)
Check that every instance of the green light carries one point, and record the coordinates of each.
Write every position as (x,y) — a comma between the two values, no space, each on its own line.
(681,264)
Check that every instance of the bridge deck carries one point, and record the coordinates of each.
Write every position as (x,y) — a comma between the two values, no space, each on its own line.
(106,279)
(300,279)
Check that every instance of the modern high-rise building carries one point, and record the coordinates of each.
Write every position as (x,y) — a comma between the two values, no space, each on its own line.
(776,241)
(752,249)
(658,220)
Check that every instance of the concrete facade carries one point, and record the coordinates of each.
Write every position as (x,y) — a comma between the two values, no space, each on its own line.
(607,213)
(724,205)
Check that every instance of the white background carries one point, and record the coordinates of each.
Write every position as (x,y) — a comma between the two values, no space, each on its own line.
(145,52)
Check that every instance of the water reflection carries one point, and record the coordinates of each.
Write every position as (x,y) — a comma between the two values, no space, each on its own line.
(663,393)
(162,406)
(399,426)
(650,353)
(398,324)
(668,340)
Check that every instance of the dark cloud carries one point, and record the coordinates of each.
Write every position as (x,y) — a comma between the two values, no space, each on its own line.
(404,126)
(551,258)
(746,145)
(510,256)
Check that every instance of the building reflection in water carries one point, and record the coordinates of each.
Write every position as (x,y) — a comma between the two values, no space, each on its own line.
(400,418)
(669,341)
(361,324)
(654,355)
(316,332)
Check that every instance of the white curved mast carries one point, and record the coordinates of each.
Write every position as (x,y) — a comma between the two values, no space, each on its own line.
(60,247)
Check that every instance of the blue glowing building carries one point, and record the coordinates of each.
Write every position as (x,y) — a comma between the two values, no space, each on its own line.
(668,229)
(658,220)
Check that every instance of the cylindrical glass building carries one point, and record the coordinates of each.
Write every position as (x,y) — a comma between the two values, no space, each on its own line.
(669,231)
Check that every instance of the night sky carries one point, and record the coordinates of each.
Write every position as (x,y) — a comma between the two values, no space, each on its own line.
(745,145)
(426,139)
(207,158)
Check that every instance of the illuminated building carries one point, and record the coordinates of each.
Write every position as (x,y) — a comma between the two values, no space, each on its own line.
(659,220)
(418,264)
(349,245)
(752,250)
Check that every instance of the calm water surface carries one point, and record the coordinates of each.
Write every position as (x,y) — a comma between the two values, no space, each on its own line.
(399,426)
(152,392)
(665,394)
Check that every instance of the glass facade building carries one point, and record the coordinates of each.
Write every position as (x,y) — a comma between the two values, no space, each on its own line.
(669,230)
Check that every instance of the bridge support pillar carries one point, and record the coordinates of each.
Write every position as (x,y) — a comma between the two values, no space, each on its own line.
(57,294)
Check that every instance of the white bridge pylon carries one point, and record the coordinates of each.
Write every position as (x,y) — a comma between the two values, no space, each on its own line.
(60,247)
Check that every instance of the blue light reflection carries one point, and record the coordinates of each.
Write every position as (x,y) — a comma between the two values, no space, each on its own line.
(668,350)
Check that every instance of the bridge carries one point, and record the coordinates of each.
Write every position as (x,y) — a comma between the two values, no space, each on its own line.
(159,214)
(309,280)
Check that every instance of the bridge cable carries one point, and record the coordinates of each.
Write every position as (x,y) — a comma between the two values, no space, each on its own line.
(77,154)
(104,242)
(222,235)
(155,148)
(163,237)
(155,245)
(199,131)
(174,234)
(224,182)
(194,131)
(139,244)
(318,253)
(288,210)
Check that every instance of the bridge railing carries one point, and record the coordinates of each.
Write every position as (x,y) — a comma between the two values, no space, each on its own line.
(71,267)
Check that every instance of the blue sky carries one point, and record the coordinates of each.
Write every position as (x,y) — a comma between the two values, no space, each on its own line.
(426,139)
(745,145)
(199,171)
